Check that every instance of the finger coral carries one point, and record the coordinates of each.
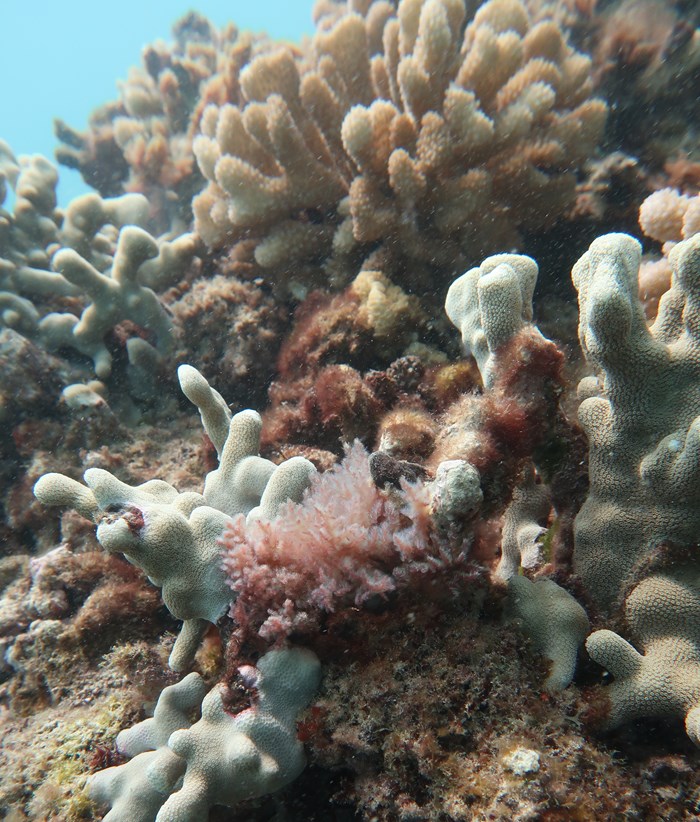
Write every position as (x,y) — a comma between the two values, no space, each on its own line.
(641,418)
(179,769)
(392,146)
(95,259)
(172,536)
(554,620)
(143,141)
(662,617)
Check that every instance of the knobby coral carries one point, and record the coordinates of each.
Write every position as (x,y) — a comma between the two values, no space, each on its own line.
(173,536)
(642,422)
(388,152)
(179,770)
(95,258)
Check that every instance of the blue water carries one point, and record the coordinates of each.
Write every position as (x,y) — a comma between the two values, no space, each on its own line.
(62,59)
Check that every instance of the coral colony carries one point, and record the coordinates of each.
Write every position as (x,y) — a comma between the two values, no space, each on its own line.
(422,583)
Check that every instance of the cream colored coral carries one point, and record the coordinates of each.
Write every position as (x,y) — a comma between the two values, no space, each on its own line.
(174,537)
(523,527)
(663,616)
(180,769)
(554,621)
(489,304)
(661,215)
(642,422)
(642,419)
(398,129)
(232,758)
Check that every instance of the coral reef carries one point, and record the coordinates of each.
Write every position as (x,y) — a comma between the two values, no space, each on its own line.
(388,148)
(416,573)
(143,141)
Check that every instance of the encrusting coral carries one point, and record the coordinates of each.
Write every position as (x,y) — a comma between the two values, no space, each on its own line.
(275,542)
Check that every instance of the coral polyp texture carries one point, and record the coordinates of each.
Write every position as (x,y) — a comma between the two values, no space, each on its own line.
(641,418)
(220,759)
(640,413)
(174,536)
(392,135)
(451,560)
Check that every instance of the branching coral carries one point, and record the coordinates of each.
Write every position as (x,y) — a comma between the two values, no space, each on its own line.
(397,141)
(662,616)
(172,536)
(143,142)
(518,418)
(154,768)
(220,759)
(96,251)
(641,419)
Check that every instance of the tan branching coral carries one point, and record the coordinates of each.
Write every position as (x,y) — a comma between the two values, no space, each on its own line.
(669,216)
(143,142)
(389,140)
